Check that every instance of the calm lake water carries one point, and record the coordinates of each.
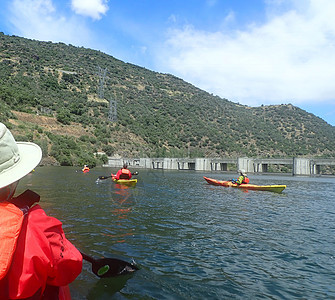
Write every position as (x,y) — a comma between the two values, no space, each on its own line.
(196,241)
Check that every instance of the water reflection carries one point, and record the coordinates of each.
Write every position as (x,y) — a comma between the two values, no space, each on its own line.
(121,206)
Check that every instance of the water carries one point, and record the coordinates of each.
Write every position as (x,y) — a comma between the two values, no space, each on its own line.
(193,240)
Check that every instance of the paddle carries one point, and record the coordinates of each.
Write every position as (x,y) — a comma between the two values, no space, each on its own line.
(105,177)
(110,267)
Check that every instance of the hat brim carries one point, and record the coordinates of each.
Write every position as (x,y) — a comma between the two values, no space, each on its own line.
(30,157)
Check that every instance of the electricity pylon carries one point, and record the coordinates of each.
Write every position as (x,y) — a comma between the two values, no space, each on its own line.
(112,115)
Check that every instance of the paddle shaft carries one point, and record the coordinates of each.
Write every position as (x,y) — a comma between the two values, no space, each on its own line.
(87,257)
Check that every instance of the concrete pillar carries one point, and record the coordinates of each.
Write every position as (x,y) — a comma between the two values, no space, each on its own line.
(166,164)
(246,164)
(172,163)
(202,164)
(146,163)
(301,166)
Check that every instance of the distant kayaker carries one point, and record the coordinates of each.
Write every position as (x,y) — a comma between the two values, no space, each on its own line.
(85,169)
(36,259)
(123,173)
(242,178)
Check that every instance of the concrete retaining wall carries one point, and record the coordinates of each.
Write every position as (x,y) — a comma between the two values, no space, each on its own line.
(300,166)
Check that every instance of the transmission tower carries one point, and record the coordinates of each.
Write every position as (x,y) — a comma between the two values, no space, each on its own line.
(112,115)
(102,77)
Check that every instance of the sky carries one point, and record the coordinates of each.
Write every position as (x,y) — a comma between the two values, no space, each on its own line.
(252,52)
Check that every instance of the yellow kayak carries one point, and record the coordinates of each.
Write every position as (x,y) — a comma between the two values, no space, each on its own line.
(248,186)
(129,182)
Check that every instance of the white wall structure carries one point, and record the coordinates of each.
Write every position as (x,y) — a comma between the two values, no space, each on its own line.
(300,166)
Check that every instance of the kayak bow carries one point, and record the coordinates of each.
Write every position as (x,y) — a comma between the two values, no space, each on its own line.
(270,188)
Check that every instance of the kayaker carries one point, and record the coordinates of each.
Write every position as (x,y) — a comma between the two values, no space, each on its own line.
(123,173)
(242,178)
(36,259)
(85,169)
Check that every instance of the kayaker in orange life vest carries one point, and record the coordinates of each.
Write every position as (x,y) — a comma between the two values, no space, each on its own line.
(123,173)
(242,178)
(36,259)
(85,169)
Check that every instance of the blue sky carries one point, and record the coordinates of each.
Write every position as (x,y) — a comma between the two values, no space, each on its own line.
(251,52)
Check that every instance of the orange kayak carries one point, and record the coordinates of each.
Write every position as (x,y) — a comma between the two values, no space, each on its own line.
(270,188)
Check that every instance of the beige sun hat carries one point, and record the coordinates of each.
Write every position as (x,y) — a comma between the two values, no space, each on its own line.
(242,171)
(17,159)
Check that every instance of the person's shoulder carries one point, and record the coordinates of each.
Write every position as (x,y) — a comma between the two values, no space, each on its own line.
(37,212)
(38,215)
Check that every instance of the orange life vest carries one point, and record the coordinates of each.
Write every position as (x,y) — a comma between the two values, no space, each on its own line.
(245,179)
(86,169)
(11,218)
(125,174)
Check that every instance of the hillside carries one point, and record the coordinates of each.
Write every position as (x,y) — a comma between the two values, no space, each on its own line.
(49,95)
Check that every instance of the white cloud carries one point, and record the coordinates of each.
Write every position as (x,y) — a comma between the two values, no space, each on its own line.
(229,18)
(90,8)
(172,19)
(288,59)
(211,2)
(38,19)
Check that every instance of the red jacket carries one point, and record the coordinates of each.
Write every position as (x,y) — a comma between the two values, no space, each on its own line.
(123,174)
(43,260)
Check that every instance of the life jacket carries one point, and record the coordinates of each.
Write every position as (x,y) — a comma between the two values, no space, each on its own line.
(86,169)
(11,219)
(245,180)
(44,254)
(125,174)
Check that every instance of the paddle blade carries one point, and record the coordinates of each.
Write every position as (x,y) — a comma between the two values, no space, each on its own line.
(111,267)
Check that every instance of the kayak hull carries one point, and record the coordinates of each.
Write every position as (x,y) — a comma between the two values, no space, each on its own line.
(129,182)
(269,188)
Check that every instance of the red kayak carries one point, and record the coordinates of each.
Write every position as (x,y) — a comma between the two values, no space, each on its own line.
(248,186)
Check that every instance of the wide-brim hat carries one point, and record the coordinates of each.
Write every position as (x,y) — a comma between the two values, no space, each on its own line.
(17,159)
(242,171)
